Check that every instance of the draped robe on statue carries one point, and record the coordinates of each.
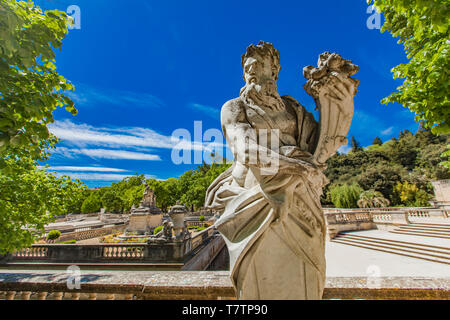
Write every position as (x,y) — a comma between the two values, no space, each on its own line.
(273,224)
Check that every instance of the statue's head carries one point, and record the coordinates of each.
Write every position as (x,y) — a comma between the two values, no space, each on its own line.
(261,63)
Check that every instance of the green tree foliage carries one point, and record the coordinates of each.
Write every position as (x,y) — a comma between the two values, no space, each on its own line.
(53,235)
(29,199)
(377,141)
(190,188)
(356,146)
(132,196)
(346,196)
(411,195)
(415,158)
(30,87)
(372,199)
(111,201)
(92,203)
(382,177)
(30,90)
(422,26)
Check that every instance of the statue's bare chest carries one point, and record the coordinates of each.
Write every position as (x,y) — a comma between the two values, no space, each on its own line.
(281,120)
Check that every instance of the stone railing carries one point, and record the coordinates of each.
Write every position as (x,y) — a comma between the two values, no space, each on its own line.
(177,252)
(200,237)
(193,285)
(99,254)
(88,232)
(199,223)
(425,212)
(340,220)
(91,233)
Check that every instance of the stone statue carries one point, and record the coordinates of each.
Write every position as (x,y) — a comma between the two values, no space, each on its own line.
(269,199)
(164,235)
(149,198)
(147,216)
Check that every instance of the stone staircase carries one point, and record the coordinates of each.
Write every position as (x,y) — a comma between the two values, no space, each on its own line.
(432,230)
(412,248)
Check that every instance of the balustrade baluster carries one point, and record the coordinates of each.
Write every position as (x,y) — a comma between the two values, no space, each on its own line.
(58,295)
(75,296)
(42,295)
(10,295)
(26,295)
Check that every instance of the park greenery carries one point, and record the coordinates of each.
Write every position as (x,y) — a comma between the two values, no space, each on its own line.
(189,189)
(30,90)
(397,172)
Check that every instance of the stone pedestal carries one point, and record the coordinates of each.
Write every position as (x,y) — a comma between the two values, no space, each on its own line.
(143,222)
(147,217)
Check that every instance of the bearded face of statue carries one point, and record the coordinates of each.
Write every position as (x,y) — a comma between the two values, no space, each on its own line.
(259,70)
(260,75)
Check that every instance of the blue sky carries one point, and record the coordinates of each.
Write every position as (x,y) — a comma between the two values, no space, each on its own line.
(143,69)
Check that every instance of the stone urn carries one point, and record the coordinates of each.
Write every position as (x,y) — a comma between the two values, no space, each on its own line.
(177,215)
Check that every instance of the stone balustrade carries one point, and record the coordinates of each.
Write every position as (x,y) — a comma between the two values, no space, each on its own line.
(195,285)
(341,220)
(72,229)
(89,233)
(173,252)
(412,211)
(199,223)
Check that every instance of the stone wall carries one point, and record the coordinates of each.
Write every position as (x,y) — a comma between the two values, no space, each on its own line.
(195,285)
(442,190)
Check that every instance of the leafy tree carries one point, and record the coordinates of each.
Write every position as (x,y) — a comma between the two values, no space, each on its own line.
(377,141)
(345,196)
(411,195)
(356,146)
(372,199)
(422,27)
(382,177)
(92,203)
(30,90)
(30,198)
(133,196)
(30,87)
(112,202)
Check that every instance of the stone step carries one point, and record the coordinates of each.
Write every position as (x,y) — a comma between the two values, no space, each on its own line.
(403,244)
(418,254)
(422,234)
(437,233)
(430,225)
(425,228)
(393,251)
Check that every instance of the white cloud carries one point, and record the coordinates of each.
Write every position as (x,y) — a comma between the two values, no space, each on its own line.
(97,176)
(106,154)
(388,131)
(83,135)
(84,169)
(209,111)
(345,149)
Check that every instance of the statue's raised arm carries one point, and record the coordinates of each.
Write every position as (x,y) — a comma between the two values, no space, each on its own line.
(333,90)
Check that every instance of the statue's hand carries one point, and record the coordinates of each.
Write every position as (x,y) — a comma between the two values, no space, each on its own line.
(340,91)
